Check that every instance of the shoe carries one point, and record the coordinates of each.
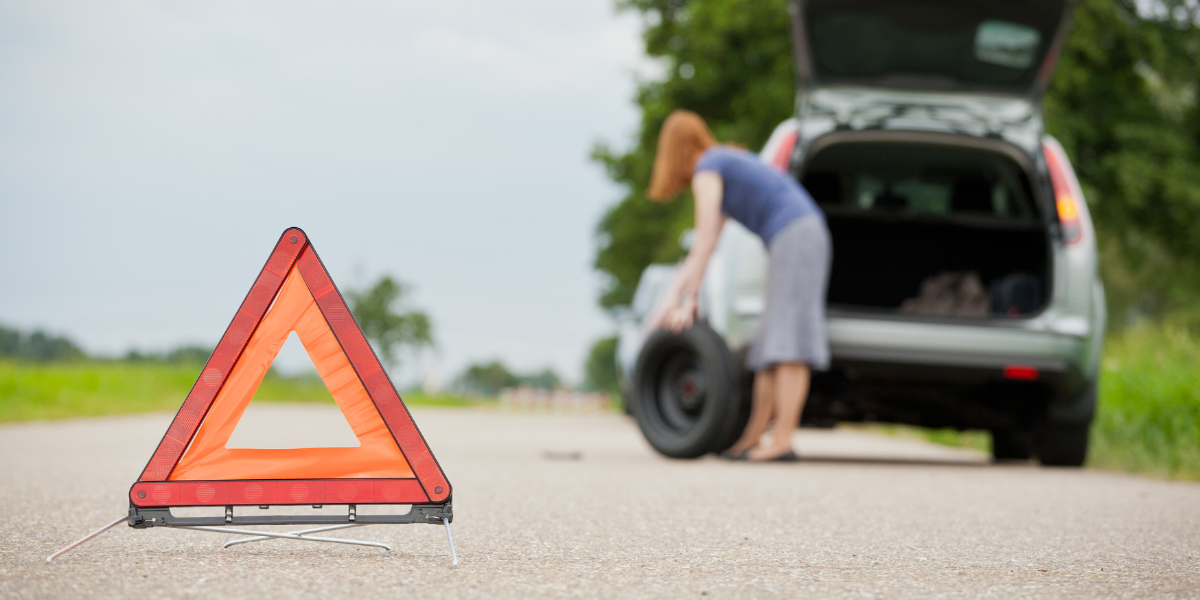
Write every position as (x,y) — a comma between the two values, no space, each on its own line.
(789,456)
(728,455)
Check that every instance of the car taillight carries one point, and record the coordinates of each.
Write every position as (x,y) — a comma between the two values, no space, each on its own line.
(1064,195)
(783,154)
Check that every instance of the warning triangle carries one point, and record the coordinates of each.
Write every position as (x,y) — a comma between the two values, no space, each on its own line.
(392,463)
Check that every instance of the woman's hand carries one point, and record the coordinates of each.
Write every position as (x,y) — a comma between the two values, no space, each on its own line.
(682,316)
(678,308)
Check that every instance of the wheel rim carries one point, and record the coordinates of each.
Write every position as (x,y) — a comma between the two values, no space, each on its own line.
(680,391)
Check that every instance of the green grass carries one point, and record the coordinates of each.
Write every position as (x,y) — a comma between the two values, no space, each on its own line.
(31,391)
(1149,413)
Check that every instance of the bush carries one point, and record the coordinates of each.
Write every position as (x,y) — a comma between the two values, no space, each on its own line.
(1149,407)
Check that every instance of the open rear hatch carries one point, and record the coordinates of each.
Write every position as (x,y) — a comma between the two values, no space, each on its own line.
(952,224)
(983,46)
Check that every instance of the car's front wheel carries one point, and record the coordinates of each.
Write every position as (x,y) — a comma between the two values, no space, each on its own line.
(685,395)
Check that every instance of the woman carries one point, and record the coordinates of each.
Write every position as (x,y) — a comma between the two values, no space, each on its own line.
(730,182)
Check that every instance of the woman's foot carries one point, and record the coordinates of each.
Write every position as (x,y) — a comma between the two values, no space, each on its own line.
(731,455)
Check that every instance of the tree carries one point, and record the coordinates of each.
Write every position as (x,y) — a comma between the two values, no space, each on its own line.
(727,60)
(546,379)
(10,341)
(600,370)
(382,313)
(1123,103)
(487,379)
(37,345)
(189,354)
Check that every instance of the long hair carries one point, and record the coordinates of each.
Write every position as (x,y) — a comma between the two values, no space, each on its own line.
(683,138)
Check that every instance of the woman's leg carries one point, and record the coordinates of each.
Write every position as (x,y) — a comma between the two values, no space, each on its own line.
(791,389)
(761,409)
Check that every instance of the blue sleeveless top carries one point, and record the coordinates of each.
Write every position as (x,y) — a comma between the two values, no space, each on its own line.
(755,194)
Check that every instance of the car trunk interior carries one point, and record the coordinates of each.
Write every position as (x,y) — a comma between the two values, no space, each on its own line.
(931,229)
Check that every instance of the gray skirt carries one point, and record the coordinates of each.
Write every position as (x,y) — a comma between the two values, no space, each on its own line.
(793,322)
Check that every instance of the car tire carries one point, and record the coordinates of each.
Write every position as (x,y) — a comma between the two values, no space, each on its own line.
(626,398)
(1061,445)
(1012,444)
(684,391)
(739,412)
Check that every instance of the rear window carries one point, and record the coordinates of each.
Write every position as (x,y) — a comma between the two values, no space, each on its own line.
(923,179)
(936,44)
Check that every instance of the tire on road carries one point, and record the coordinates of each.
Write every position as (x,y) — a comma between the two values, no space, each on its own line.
(1062,445)
(685,395)
(739,410)
(1013,443)
(1065,444)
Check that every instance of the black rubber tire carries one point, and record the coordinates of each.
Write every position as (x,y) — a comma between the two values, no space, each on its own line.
(626,398)
(684,391)
(1012,444)
(739,411)
(1060,445)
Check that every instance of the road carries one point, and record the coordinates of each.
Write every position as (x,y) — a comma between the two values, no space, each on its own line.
(863,516)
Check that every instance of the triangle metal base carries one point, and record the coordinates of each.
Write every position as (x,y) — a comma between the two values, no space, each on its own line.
(141,518)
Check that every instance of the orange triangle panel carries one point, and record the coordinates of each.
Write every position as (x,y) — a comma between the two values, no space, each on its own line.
(391,465)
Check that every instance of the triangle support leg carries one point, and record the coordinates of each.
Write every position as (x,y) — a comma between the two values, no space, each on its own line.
(449,538)
(85,538)
(284,536)
(260,538)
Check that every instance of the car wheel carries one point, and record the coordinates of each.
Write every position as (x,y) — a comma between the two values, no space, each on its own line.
(1012,444)
(1061,445)
(683,389)
(739,412)
(626,398)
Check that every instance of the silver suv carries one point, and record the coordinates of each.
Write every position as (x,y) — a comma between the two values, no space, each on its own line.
(964,290)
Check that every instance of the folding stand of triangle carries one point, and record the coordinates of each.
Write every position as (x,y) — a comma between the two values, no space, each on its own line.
(391,465)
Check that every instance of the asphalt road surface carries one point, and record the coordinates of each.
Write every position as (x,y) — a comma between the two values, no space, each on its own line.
(579,506)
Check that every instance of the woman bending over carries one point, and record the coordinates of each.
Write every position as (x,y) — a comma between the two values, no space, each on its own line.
(730,182)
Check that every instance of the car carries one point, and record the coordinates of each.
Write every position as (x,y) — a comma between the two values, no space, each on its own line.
(964,290)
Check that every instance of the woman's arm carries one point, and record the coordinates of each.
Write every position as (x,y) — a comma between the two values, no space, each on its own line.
(678,308)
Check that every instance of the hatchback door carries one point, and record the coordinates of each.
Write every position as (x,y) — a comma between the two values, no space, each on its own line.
(983,46)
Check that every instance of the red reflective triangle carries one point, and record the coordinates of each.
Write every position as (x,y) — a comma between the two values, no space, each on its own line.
(392,465)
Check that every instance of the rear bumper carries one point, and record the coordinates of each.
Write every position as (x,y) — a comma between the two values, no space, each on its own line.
(969,374)
(963,341)
(965,352)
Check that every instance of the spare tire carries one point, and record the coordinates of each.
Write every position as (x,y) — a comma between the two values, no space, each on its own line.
(686,395)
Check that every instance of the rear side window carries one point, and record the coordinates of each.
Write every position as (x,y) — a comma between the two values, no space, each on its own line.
(922,179)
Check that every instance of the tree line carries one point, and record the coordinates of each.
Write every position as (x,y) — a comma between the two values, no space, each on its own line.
(382,310)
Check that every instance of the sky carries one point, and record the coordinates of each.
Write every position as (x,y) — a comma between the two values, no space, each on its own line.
(151,153)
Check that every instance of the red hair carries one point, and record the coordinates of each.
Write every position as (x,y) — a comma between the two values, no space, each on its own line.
(683,138)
